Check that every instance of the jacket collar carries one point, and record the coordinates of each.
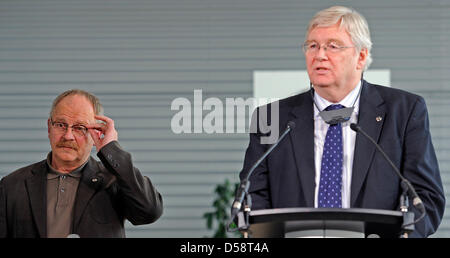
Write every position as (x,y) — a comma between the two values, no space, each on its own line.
(302,139)
(36,186)
(90,182)
(371,118)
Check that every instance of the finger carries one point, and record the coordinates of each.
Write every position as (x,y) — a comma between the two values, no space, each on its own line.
(109,123)
(105,119)
(98,126)
(95,136)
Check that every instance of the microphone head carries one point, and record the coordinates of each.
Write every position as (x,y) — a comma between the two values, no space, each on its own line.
(291,124)
(354,127)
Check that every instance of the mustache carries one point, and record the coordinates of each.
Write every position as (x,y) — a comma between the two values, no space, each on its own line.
(67,144)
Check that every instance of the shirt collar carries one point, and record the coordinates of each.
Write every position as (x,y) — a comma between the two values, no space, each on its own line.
(347,101)
(53,173)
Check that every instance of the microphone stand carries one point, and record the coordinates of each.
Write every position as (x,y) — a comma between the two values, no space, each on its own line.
(408,216)
(244,217)
(243,223)
(243,198)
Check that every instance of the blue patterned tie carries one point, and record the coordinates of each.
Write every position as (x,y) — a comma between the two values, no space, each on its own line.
(331,168)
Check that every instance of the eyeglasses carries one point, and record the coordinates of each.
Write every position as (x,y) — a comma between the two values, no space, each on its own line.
(314,47)
(77,130)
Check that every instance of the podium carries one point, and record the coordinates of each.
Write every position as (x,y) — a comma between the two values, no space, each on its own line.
(324,222)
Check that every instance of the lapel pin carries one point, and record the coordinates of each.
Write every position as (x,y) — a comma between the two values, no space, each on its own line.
(379,118)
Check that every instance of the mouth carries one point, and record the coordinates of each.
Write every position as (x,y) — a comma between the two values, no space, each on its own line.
(321,70)
(65,147)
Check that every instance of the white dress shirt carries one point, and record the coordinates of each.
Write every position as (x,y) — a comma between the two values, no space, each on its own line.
(348,142)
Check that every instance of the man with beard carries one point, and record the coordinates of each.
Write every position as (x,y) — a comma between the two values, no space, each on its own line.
(70,193)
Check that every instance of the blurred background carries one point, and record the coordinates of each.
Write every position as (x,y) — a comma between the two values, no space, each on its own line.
(137,56)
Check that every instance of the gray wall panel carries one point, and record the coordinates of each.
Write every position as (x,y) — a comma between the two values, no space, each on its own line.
(139,55)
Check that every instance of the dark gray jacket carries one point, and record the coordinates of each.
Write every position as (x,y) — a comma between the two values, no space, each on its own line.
(109,192)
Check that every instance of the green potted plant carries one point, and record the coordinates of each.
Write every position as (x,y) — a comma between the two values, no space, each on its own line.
(220,216)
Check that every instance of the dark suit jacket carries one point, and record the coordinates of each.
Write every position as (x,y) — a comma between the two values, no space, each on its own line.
(109,192)
(287,177)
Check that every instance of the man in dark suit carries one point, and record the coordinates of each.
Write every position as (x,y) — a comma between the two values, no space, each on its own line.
(70,193)
(326,164)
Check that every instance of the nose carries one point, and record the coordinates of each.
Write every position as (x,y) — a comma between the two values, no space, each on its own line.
(321,54)
(68,134)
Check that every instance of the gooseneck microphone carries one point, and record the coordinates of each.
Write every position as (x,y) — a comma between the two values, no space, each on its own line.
(242,191)
(417,202)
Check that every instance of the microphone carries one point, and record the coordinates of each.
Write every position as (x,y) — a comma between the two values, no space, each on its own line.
(417,202)
(245,184)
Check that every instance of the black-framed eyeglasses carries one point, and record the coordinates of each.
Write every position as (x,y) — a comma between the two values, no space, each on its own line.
(61,127)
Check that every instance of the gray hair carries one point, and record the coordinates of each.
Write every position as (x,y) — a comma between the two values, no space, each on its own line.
(353,22)
(98,108)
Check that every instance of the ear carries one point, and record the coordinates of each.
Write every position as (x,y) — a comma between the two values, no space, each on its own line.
(48,126)
(362,58)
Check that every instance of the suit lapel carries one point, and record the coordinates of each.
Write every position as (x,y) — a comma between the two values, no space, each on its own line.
(371,118)
(302,139)
(36,187)
(86,190)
